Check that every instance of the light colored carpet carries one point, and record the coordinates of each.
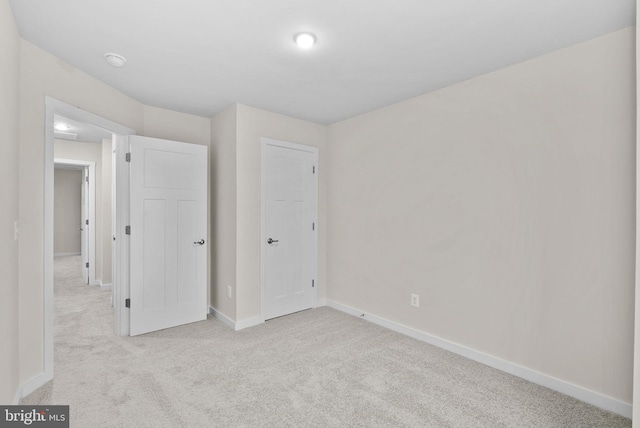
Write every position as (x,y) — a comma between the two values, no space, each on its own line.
(314,368)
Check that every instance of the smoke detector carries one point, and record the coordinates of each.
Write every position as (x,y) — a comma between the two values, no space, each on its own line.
(115,60)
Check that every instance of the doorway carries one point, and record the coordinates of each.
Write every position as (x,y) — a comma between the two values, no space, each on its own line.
(75,213)
(289,220)
(55,107)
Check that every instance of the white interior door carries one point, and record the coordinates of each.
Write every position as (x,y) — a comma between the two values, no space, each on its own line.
(168,228)
(84,225)
(288,227)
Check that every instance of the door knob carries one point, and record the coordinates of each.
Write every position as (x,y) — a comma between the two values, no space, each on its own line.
(271,241)
(200,242)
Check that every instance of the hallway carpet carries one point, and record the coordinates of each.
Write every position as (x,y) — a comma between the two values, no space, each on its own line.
(318,368)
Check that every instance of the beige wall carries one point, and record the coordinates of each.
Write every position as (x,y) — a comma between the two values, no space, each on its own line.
(223,170)
(252,124)
(9,135)
(172,125)
(66,211)
(507,203)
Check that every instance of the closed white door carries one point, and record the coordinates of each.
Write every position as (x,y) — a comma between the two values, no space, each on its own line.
(84,224)
(288,227)
(168,229)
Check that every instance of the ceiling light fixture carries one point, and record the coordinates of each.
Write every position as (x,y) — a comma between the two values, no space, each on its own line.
(65,135)
(304,40)
(61,127)
(115,60)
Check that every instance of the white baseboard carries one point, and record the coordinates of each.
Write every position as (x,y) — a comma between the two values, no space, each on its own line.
(249,322)
(17,397)
(66,254)
(222,318)
(236,325)
(594,398)
(320,302)
(105,286)
(34,383)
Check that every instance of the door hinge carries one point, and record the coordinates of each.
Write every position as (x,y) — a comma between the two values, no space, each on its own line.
(86,178)
(87,264)
(128,157)
(86,222)
(313,283)
(127,230)
(127,303)
(314,169)
(313,227)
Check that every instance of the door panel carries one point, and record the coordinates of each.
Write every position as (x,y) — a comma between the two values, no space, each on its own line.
(288,218)
(168,217)
(154,244)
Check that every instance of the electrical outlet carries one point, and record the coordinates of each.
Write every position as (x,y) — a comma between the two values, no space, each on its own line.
(415,300)
(228,291)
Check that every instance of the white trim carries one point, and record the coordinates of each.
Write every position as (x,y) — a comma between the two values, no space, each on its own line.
(222,318)
(105,286)
(53,107)
(235,325)
(264,142)
(249,322)
(594,398)
(66,254)
(34,383)
(320,303)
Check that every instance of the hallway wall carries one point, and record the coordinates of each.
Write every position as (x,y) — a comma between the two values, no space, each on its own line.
(9,155)
(67,210)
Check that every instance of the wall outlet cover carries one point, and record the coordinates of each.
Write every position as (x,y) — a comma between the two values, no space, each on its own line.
(415,300)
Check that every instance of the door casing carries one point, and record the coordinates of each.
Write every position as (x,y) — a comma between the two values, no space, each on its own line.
(56,107)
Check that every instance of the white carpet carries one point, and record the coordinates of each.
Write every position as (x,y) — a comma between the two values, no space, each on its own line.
(315,368)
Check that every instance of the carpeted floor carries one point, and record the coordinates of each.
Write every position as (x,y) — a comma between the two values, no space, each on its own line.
(316,368)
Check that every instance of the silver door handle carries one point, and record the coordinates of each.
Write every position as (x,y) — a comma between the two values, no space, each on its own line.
(200,242)
(271,241)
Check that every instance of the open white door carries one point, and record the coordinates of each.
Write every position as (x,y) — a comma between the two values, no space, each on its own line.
(168,228)
(289,233)
(84,225)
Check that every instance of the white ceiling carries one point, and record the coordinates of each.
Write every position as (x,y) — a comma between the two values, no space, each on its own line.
(200,56)
(85,132)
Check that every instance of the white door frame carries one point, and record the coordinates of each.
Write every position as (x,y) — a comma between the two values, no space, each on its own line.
(263,235)
(55,107)
(91,166)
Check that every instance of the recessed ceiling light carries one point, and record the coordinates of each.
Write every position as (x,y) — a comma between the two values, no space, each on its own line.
(61,127)
(115,59)
(304,40)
